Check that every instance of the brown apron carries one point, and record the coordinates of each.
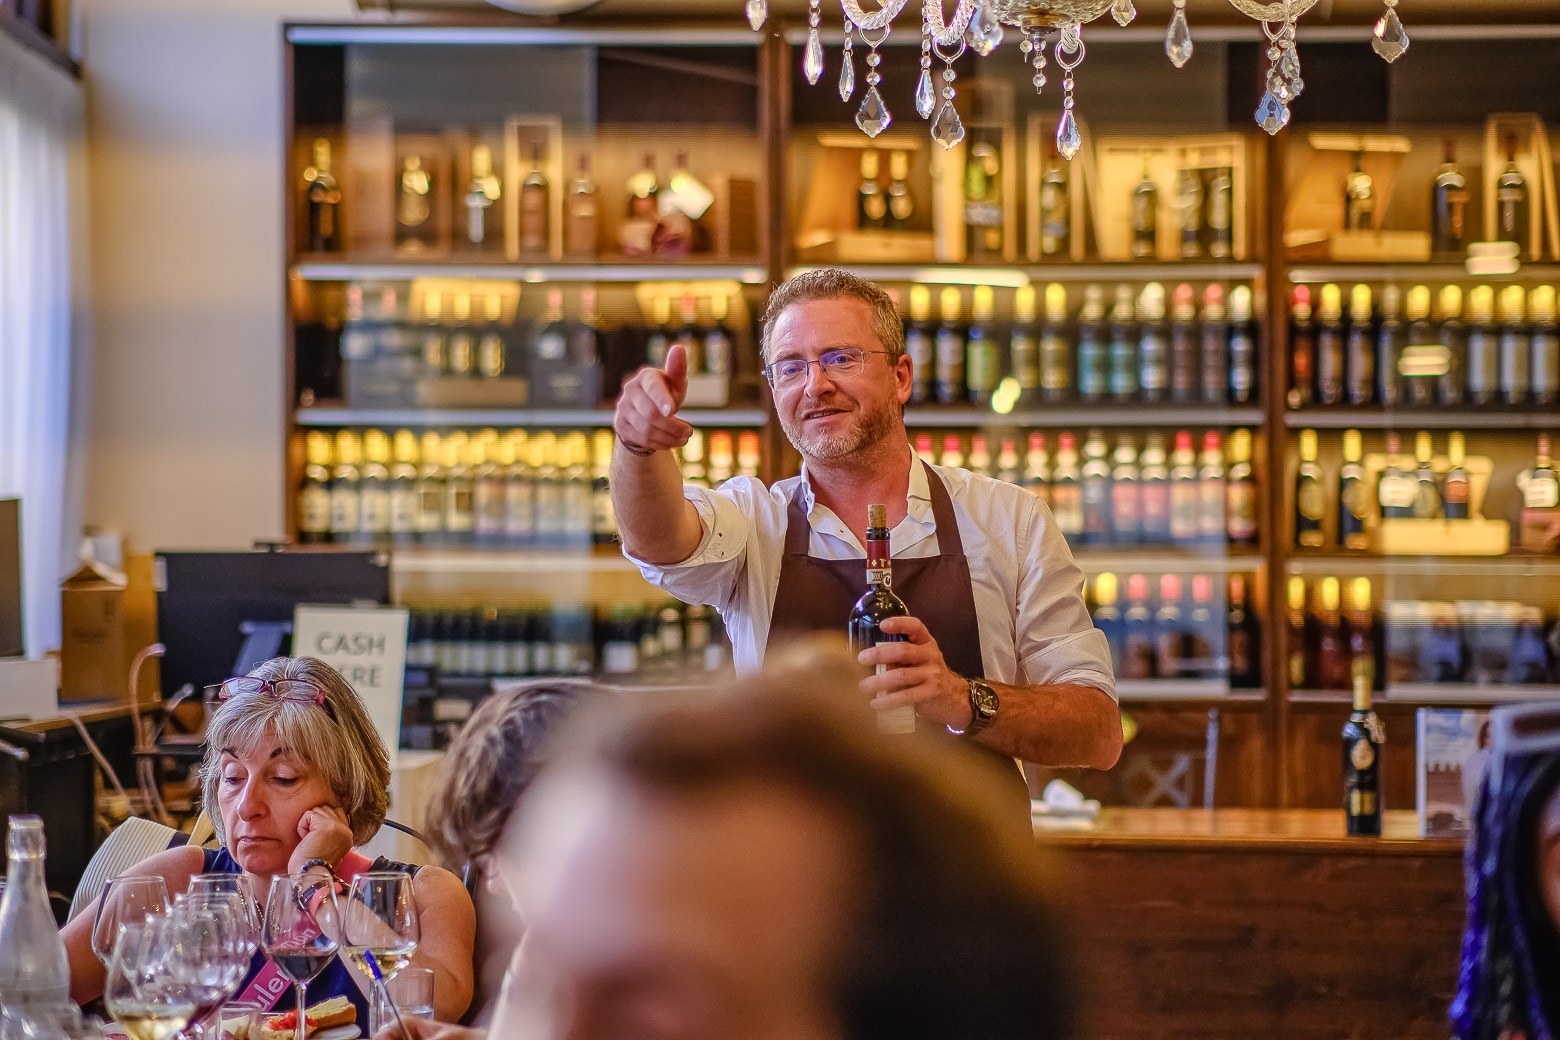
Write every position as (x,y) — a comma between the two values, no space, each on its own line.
(817,595)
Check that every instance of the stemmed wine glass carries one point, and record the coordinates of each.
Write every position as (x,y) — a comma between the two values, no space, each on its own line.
(238,885)
(300,938)
(125,900)
(381,932)
(214,950)
(145,990)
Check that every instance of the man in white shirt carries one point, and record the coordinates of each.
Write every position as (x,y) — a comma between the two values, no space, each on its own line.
(1000,645)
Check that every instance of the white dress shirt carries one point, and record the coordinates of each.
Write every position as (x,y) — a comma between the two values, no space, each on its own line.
(1034,627)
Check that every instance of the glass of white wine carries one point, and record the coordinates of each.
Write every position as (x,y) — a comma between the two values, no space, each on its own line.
(381,932)
(144,990)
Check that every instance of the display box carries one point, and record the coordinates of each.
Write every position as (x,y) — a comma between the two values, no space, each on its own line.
(1475,536)
(1536,164)
(107,617)
(527,139)
(421,180)
(456,392)
(1540,529)
(1314,217)
(827,227)
(735,216)
(368,187)
(1117,166)
(564,384)
(1040,132)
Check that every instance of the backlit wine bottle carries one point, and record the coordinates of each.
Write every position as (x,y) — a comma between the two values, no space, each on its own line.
(1451,385)
(492,355)
(519,491)
(374,490)
(1138,645)
(580,223)
(1362,629)
(484,221)
(314,495)
(1154,492)
(1420,383)
(1038,478)
(717,338)
(1243,347)
(659,339)
(749,454)
(1244,637)
(413,205)
(403,488)
(345,488)
(1170,630)
(1541,489)
(1448,207)
(1153,345)
(1332,645)
(1395,489)
(983,202)
(1427,490)
(1183,345)
(430,490)
(950,349)
(901,204)
(1389,348)
(1123,349)
(1302,348)
(981,364)
(1299,670)
(1214,352)
(980,456)
(953,451)
(1056,377)
(1210,490)
(1240,492)
(1362,735)
(1007,461)
(1511,202)
(1145,215)
(1126,500)
(1516,352)
(1359,198)
(693,470)
(1310,498)
(1544,339)
(1360,349)
(919,345)
(534,208)
(1189,209)
(691,335)
(877,605)
(923,448)
(644,191)
(460,516)
(1107,614)
(1329,346)
(1352,494)
(1185,493)
(1221,213)
(322,194)
(1055,204)
(1023,351)
(487,495)
(1096,490)
(871,203)
(1483,347)
(1455,485)
(1093,357)
(1067,488)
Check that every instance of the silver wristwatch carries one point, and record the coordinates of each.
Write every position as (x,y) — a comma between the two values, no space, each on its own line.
(983,708)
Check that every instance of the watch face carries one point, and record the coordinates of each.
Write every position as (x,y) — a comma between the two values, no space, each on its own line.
(985,699)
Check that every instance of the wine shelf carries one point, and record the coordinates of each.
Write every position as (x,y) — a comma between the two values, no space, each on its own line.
(1014,275)
(1436,419)
(561,560)
(1161,560)
(1442,566)
(559,417)
(1436,693)
(345,271)
(1083,416)
(1417,272)
(1183,690)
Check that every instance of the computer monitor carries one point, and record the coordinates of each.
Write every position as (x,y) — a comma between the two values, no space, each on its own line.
(11,642)
(210,604)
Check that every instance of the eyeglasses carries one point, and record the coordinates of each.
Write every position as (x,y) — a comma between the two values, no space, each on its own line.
(301,690)
(843,361)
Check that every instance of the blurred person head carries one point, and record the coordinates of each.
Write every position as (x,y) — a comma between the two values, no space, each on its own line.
(1509,981)
(760,862)
(490,763)
(271,757)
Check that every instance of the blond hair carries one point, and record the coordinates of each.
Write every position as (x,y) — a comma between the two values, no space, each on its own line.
(832,283)
(338,739)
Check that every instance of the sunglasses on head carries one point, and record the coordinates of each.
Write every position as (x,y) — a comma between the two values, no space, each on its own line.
(302,690)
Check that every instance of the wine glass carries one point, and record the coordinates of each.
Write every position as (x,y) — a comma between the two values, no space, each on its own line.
(125,900)
(145,991)
(240,885)
(212,953)
(381,932)
(299,934)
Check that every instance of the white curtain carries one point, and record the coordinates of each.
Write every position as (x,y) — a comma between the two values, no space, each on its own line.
(41,120)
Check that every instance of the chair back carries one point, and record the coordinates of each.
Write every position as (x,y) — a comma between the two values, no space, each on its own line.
(128,844)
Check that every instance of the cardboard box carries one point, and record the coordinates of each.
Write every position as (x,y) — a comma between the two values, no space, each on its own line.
(826,211)
(1314,211)
(107,617)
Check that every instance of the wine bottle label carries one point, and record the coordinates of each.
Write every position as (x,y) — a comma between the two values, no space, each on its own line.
(314,509)
(1397,492)
(982,363)
(461,516)
(375,510)
(1026,363)
(344,509)
(1242,510)
(403,511)
(1455,492)
(1362,803)
(1362,754)
(1310,501)
(1541,493)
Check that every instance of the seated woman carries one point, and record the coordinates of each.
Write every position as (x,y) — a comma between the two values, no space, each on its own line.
(1509,984)
(490,763)
(294,776)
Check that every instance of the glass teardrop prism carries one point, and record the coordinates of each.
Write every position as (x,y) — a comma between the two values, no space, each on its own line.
(812,60)
(1390,39)
(873,116)
(1272,114)
(1123,11)
(925,96)
(847,77)
(1178,41)
(984,32)
(1068,139)
(757,13)
(948,130)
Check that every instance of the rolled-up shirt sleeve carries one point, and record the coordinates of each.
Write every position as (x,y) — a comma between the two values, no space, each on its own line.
(711,574)
(1055,638)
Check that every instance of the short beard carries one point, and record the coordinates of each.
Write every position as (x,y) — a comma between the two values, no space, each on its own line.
(870,429)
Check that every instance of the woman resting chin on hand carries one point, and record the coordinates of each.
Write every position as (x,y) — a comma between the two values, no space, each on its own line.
(295,775)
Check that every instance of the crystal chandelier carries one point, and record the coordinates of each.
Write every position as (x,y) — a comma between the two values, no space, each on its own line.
(977,25)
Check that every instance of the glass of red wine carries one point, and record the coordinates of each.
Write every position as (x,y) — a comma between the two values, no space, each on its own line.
(300,933)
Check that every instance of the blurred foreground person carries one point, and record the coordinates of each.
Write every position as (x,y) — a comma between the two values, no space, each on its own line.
(480,780)
(1509,984)
(762,864)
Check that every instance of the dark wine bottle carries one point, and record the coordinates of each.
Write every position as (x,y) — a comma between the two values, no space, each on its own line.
(1362,736)
(877,605)
(1302,348)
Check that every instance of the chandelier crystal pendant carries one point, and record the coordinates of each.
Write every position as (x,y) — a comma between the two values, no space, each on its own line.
(978,26)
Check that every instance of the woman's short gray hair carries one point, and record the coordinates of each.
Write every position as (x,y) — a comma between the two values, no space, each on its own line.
(338,739)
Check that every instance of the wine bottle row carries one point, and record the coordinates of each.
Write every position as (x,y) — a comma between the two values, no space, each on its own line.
(1180,627)
(1482,642)
(1473,349)
(1124,496)
(1146,348)
(513,490)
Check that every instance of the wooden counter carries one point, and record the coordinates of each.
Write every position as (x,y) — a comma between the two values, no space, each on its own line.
(1258,923)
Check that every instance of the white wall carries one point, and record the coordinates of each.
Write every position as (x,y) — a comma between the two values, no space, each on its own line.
(184,435)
